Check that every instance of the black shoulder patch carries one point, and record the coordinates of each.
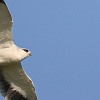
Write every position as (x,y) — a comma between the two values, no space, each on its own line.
(14,95)
(2,1)
(9,92)
(4,85)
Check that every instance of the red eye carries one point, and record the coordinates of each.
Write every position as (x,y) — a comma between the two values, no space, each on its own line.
(25,50)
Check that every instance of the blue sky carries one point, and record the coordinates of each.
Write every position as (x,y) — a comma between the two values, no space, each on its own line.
(64,38)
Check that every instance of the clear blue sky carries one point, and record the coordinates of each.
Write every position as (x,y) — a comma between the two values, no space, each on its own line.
(64,38)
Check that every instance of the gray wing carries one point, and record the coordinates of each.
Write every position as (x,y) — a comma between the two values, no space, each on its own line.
(5,23)
(15,84)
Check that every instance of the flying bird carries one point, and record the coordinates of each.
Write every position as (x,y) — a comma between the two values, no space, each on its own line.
(14,82)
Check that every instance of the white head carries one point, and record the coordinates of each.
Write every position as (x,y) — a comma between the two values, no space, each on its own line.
(11,53)
(23,53)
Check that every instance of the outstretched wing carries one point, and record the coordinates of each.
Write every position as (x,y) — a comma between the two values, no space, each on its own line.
(5,23)
(15,84)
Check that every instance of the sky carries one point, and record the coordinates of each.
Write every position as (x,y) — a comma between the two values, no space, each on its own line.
(64,38)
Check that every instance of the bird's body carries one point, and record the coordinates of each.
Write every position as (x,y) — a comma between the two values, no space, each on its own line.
(14,82)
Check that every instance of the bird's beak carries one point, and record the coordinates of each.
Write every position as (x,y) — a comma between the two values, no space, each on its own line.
(30,54)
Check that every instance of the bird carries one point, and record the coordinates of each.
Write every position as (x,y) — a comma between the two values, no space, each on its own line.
(15,84)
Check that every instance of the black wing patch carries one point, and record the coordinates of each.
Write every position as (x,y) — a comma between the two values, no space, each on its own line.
(4,85)
(14,95)
(9,92)
(2,1)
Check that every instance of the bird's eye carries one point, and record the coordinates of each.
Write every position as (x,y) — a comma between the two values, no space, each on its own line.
(25,50)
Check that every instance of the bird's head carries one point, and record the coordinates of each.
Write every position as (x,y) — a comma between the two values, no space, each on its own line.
(24,53)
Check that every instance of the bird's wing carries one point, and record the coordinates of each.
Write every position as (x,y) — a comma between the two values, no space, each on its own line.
(5,23)
(15,84)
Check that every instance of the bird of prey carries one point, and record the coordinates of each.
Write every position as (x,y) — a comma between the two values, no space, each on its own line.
(14,82)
